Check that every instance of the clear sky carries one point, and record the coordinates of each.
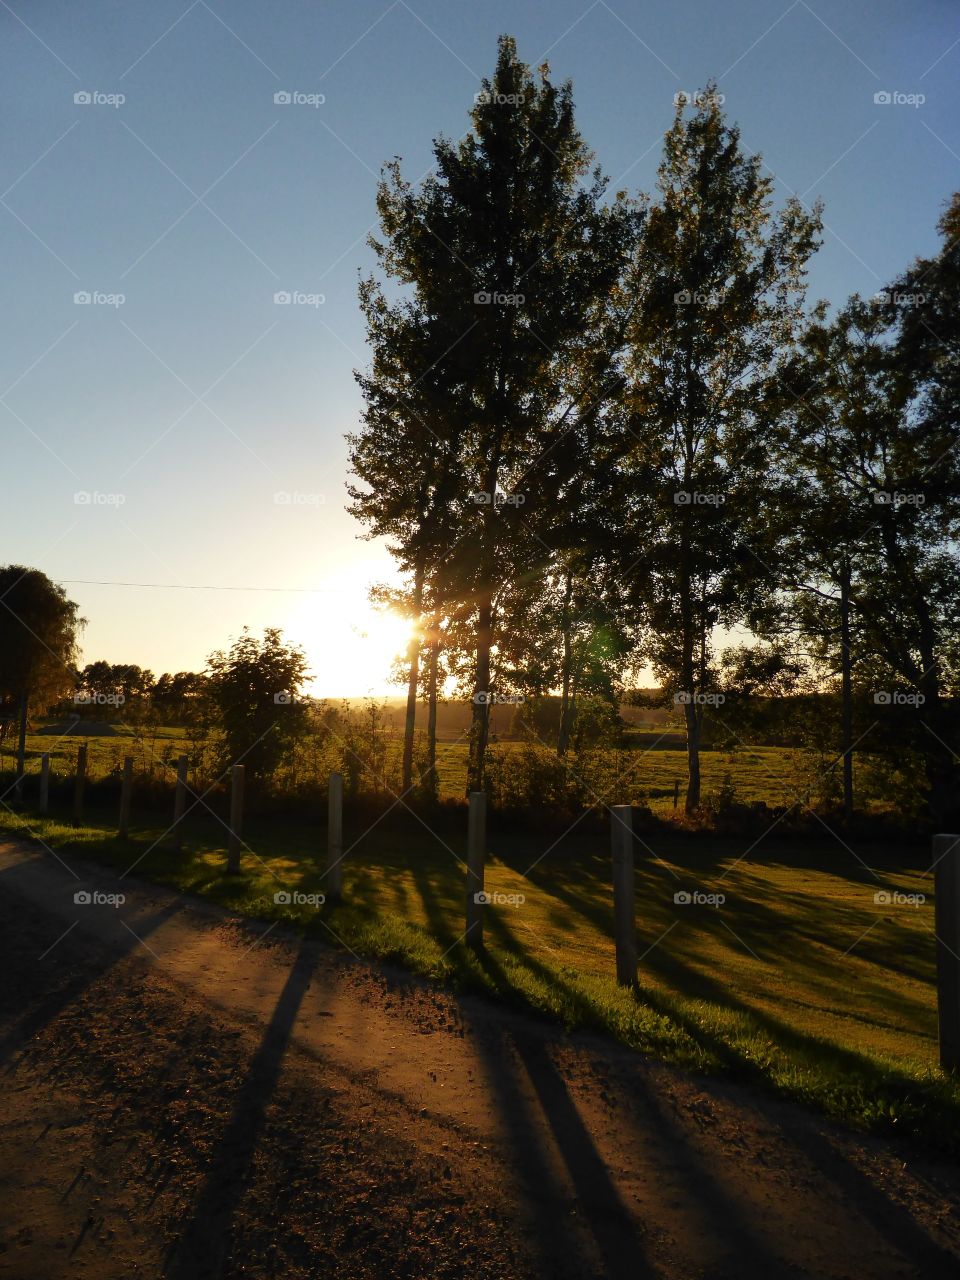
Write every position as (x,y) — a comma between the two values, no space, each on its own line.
(184,410)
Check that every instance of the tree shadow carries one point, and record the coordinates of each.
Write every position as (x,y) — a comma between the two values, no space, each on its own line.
(92,968)
(597,1201)
(204,1245)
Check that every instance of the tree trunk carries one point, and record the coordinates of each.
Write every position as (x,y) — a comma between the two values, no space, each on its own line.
(566,708)
(692,717)
(22,746)
(846,690)
(480,727)
(434,662)
(482,693)
(413,682)
(691,707)
(939,760)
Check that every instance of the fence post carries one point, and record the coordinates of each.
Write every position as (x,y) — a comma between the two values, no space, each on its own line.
(180,802)
(624,907)
(676,793)
(335,837)
(946,862)
(236,819)
(78,785)
(44,782)
(126,789)
(476,855)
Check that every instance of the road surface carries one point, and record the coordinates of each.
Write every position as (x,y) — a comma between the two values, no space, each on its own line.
(187,1094)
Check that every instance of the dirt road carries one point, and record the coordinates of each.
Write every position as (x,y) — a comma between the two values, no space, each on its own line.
(189,1095)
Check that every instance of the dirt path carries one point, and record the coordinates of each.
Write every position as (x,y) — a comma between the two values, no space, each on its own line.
(184,1097)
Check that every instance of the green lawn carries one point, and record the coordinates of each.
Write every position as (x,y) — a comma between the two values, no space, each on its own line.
(799,981)
(774,775)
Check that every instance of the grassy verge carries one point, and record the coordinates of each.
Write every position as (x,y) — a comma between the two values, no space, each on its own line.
(799,981)
(775,775)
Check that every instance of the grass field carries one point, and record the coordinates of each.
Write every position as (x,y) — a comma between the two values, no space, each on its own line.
(774,775)
(799,980)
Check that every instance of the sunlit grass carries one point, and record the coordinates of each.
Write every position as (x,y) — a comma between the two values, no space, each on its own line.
(774,775)
(800,981)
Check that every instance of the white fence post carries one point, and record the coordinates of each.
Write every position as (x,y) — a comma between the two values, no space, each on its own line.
(335,837)
(476,857)
(236,820)
(126,789)
(946,863)
(180,801)
(44,782)
(624,907)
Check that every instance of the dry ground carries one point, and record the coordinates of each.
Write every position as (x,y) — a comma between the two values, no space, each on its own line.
(184,1097)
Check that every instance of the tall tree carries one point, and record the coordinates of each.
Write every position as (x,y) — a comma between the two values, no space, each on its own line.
(721,278)
(511,256)
(38,645)
(911,587)
(839,402)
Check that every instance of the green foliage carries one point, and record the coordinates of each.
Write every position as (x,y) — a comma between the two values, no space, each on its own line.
(38,639)
(493,361)
(363,752)
(720,283)
(254,689)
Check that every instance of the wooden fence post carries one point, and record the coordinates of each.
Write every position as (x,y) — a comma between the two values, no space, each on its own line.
(236,820)
(946,862)
(476,856)
(78,785)
(126,789)
(21,746)
(335,837)
(180,801)
(676,793)
(624,907)
(44,782)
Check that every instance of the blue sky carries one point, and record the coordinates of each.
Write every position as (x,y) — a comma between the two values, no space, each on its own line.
(183,410)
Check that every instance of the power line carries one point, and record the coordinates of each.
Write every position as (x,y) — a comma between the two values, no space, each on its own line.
(192,586)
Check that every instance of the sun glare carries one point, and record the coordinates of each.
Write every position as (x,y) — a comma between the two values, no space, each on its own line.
(350,646)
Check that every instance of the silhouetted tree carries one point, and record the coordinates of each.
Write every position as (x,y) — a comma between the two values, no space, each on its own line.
(255,689)
(511,258)
(721,281)
(38,645)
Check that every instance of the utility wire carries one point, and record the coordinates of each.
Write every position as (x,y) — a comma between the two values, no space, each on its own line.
(191,586)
